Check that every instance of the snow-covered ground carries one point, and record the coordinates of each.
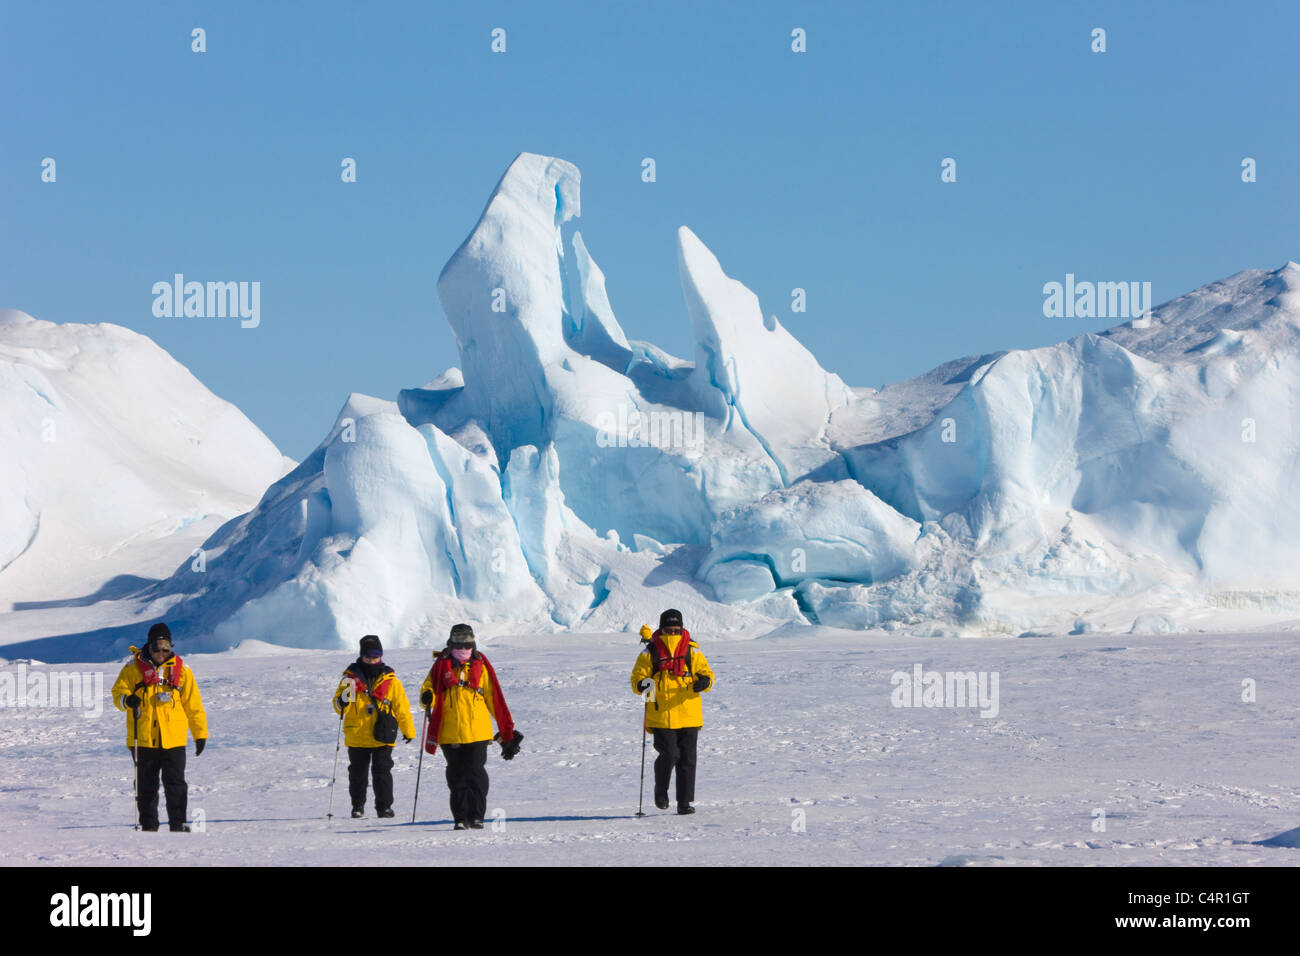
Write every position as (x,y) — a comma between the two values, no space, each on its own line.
(804,759)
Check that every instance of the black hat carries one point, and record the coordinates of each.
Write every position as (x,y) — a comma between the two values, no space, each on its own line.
(461,634)
(158,633)
(371,643)
(670,618)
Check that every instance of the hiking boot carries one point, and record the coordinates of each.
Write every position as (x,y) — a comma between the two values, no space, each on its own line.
(661,803)
(386,813)
(684,808)
(461,825)
(357,812)
(476,824)
(149,827)
(179,827)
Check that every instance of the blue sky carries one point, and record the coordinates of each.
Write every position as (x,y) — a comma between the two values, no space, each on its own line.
(818,170)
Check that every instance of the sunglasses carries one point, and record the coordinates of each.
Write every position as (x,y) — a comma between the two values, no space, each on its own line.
(372,655)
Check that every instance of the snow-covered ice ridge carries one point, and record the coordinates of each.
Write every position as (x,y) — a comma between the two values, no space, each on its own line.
(113,457)
(1134,479)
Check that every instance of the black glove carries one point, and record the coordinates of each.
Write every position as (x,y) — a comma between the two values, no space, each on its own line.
(199,744)
(426,699)
(644,685)
(340,704)
(406,739)
(131,701)
(701,683)
(511,749)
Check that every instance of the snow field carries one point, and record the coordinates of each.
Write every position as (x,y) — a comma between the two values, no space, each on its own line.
(804,760)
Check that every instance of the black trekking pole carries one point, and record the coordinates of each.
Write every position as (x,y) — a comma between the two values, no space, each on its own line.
(641,800)
(135,762)
(645,717)
(337,740)
(419,765)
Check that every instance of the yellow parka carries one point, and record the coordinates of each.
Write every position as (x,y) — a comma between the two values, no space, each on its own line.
(466,715)
(363,702)
(676,704)
(166,711)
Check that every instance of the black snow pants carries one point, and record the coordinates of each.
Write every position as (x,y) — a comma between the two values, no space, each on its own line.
(362,761)
(676,750)
(170,763)
(467,779)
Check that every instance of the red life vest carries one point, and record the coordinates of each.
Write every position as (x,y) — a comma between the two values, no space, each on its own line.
(444,675)
(383,684)
(661,659)
(167,674)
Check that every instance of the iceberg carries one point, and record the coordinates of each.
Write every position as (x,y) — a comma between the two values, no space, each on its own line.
(565,476)
(115,459)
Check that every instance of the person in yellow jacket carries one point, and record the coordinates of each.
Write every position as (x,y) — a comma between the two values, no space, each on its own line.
(671,673)
(462,696)
(372,704)
(162,702)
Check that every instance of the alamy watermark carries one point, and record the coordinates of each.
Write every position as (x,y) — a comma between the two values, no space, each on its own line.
(38,688)
(1097,300)
(208,300)
(630,428)
(75,909)
(922,688)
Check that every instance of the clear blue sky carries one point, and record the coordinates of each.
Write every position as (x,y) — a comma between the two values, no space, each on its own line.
(817,170)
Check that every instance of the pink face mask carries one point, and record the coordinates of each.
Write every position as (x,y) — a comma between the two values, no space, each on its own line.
(462,654)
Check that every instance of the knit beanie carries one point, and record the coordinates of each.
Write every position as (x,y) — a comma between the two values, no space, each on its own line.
(670,618)
(158,634)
